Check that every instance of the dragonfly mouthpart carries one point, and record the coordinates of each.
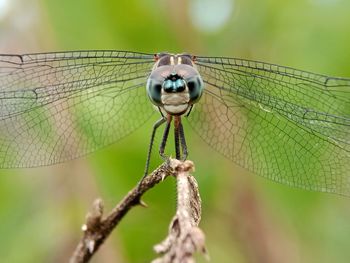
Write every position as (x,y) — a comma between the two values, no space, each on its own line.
(175,103)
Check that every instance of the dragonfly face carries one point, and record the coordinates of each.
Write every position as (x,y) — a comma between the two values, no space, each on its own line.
(174,84)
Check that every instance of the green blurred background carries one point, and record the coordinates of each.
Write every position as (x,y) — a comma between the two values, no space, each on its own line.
(246,218)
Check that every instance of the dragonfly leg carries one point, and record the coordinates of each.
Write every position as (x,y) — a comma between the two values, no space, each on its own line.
(177,137)
(189,112)
(165,137)
(183,141)
(155,127)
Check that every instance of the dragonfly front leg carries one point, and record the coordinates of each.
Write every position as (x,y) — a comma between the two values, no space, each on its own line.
(176,136)
(155,127)
(183,141)
(180,139)
(165,137)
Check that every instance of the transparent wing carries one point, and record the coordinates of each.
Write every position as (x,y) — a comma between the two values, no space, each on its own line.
(58,106)
(281,123)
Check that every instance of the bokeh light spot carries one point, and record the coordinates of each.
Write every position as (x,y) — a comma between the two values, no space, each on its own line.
(210,16)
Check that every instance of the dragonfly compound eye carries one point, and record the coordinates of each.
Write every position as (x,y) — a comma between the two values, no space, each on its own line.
(195,88)
(154,89)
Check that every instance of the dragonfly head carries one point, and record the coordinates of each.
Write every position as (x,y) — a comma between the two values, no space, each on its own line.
(174,83)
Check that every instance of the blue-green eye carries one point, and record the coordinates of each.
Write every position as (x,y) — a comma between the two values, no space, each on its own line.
(195,88)
(154,90)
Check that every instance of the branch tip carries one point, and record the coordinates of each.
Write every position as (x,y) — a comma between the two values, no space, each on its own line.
(143,204)
(90,244)
(94,216)
(181,166)
(84,228)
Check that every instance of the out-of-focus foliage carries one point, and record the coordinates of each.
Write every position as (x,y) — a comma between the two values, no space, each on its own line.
(246,218)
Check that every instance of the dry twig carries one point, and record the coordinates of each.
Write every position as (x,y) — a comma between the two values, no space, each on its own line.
(184,237)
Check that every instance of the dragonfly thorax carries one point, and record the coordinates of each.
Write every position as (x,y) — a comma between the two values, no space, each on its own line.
(174,83)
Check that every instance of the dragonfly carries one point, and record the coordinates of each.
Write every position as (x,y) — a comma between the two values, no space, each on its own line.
(285,124)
